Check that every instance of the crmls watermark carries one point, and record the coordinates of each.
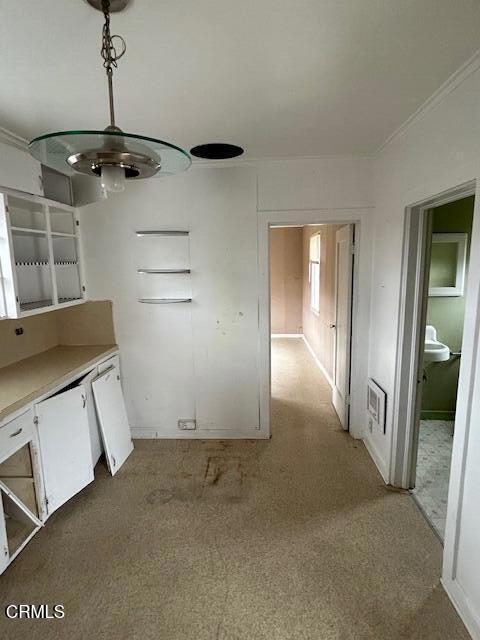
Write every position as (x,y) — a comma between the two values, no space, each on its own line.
(35,611)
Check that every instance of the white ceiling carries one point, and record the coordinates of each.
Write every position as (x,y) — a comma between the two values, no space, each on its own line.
(278,77)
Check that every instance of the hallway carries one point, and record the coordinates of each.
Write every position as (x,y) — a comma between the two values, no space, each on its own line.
(292,538)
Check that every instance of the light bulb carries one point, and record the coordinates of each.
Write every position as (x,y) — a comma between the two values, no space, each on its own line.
(112,178)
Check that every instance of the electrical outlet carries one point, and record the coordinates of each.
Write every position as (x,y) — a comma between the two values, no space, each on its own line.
(188,424)
(19,331)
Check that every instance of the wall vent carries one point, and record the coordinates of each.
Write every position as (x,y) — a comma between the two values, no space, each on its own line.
(376,404)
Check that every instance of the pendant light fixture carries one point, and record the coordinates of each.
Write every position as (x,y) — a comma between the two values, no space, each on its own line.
(111,155)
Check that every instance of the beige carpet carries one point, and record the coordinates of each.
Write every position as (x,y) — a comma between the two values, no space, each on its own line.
(294,538)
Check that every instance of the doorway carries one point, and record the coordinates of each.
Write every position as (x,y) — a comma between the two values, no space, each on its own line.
(311,272)
(448,247)
(432,383)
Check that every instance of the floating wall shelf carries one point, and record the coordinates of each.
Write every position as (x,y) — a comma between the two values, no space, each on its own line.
(164,300)
(161,233)
(165,271)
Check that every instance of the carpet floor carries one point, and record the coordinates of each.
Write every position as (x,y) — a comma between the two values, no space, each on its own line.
(292,538)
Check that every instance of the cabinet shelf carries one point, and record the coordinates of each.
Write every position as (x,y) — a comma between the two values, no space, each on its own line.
(35,304)
(59,234)
(45,263)
(28,232)
(164,271)
(164,300)
(70,299)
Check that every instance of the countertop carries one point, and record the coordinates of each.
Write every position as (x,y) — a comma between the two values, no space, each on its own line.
(29,379)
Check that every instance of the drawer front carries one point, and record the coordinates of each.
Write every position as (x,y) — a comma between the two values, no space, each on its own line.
(16,433)
(113,361)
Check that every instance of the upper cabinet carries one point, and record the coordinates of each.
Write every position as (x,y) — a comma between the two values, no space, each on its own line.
(18,170)
(39,255)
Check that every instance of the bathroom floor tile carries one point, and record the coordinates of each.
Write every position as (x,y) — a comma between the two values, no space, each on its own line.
(433,470)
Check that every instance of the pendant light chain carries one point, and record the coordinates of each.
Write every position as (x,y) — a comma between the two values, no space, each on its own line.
(110,154)
(110,55)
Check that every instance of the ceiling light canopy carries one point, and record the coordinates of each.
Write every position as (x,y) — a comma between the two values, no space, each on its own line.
(111,155)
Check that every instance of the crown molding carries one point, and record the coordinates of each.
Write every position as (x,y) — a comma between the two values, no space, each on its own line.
(12,139)
(456,79)
(255,162)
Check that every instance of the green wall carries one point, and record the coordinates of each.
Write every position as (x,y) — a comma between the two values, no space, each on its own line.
(446,315)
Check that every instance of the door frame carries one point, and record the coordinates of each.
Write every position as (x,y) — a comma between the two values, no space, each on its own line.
(467,382)
(360,305)
(411,331)
(350,276)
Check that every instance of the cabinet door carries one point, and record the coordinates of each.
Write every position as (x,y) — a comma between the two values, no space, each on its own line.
(112,417)
(18,170)
(64,445)
(17,524)
(95,439)
(4,554)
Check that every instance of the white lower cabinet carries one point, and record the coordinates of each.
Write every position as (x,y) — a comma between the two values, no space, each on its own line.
(96,445)
(48,453)
(64,436)
(21,487)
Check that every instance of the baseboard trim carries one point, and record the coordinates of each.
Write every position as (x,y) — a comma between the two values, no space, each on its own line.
(317,361)
(287,335)
(377,459)
(437,415)
(197,434)
(460,602)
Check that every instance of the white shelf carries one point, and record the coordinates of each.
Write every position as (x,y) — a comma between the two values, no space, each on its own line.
(28,232)
(35,304)
(164,300)
(45,263)
(164,271)
(148,232)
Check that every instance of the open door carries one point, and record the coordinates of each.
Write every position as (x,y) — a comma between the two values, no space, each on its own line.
(64,437)
(112,417)
(17,525)
(343,322)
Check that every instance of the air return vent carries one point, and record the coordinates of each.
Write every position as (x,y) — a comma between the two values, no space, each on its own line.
(376,403)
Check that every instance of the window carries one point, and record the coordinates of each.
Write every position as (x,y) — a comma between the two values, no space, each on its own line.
(314,272)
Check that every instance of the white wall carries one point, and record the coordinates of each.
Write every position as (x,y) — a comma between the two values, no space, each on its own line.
(320,183)
(202,360)
(183,361)
(439,150)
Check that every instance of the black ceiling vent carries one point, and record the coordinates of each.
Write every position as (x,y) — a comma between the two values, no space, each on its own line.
(216,151)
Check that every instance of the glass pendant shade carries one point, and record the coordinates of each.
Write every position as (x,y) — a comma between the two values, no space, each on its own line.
(112,178)
(111,155)
(87,152)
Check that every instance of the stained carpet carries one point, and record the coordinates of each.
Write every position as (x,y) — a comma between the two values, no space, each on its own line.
(292,538)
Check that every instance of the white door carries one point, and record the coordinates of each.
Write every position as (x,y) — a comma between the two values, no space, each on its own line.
(95,439)
(343,322)
(112,417)
(64,438)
